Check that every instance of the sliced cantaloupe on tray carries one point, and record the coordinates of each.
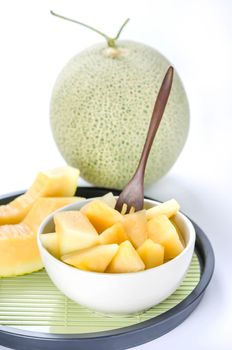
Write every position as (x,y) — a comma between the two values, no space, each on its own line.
(54,183)
(126,260)
(168,208)
(151,253)
(74,231)
(19,253)
(135,225)
(50,242)
(162,231)
(92,259)
(101,215)
(114,234)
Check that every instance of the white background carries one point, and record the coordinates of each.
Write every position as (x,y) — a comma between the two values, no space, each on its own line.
(196,36)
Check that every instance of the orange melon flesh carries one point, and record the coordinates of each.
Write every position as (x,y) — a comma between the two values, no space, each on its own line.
(178,231)
(151,253)
(114,234)
(109,199)
(126,260)
(74,231)
(92,259)
(19,253)
(168,208)
(135,225)
(50,242)
(57,182)
(162,231)
(45,206)
(101,215)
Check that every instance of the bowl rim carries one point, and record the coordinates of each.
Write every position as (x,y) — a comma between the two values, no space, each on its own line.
(190,243)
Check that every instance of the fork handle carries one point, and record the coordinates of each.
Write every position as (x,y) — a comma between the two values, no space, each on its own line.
(157,114)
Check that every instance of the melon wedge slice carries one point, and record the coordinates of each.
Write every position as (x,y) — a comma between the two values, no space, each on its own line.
(101,215)
(126,260)
(114,234)
(74,231)
(50,242)
(168,208)
(19,253)
(162,231)
(92,259)
(57,182)
(135,225)
(151,253)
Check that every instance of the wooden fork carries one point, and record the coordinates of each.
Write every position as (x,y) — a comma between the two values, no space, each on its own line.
(132,197)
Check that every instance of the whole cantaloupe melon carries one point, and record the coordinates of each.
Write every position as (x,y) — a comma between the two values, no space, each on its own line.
(101,107)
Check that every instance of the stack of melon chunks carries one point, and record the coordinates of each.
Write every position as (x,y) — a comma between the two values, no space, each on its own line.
(99,238)
(20,219)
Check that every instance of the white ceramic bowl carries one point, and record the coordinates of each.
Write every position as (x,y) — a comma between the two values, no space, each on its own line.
(122,293)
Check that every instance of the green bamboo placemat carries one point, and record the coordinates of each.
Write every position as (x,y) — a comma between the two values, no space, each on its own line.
(32,302)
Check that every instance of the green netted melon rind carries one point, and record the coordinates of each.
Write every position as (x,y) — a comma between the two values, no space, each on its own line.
(101,108)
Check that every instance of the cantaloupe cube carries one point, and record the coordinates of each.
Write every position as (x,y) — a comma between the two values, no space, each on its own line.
(109,199)
(135,225)
(162,231)
(151,253)
(50,242)
(45,206)
(92,259)
(126,260)
(74,231)
(113,234)
(178,231)
(168,208)
(101,215)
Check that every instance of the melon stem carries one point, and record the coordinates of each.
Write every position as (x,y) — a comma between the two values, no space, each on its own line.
(121,28)
(110,41)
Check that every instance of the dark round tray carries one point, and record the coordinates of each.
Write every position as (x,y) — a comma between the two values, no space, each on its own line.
(125,337)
